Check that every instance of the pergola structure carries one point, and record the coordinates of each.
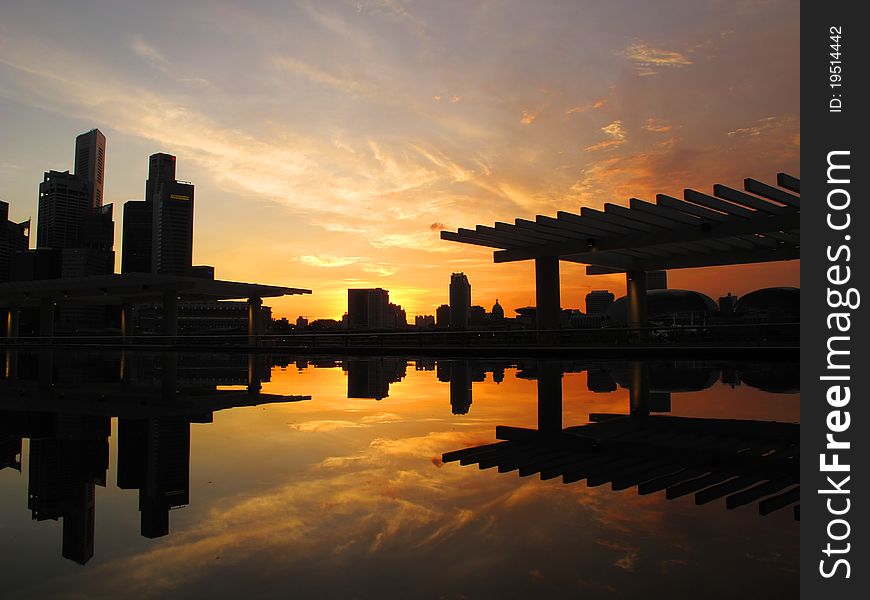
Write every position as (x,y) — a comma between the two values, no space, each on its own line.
(729,227)
(128,289)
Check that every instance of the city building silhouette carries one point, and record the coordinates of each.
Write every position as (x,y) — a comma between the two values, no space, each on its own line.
(14,238)
(656,280)
(460,301)
(598,301)
(90,164)
(442,317)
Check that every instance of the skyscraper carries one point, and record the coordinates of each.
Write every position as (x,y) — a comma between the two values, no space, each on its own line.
(136,237)
(63,203)
(172,217)
(72,218)
(460,301)
(598,301)
(90,164)
(161,168)
(368,308)
(656,280)
(14,237)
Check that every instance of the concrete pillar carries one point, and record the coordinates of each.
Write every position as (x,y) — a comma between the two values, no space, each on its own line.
(635,289)
(549,396)
(547,301)
(126,320)
(169,375)
(11,370)
(13,318)
(170,313)
(638,392)
(255,373)
(46,318)
(255,321)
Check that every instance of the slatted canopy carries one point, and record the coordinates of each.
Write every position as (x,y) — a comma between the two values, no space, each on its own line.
(744,462)
(759,224)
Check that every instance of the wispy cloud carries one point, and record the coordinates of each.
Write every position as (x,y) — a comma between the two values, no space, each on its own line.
(146,51)
(615,134)
(654,126)
(328,261)
(648,59)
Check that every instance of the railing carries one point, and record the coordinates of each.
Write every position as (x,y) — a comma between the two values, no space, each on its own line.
(729,335)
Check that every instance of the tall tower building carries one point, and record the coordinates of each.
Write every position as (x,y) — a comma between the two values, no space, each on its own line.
(72,218)
(172,217)
(598,301)
(460,301)
(14,237)
(63,203)
(161,168)
(138,233)
(368,308)
(90,164)
(656,280)
(136,237)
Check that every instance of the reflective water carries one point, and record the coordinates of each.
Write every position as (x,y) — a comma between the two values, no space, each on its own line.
(224,476)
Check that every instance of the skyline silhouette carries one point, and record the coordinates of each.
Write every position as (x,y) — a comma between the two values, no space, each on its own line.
(301,196)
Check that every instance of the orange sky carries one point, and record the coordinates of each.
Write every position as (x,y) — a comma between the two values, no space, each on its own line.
(330,142)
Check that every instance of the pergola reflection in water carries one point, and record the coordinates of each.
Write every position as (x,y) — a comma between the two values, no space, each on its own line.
(743,461)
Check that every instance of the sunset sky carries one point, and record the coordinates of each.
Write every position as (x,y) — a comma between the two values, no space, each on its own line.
(331,141)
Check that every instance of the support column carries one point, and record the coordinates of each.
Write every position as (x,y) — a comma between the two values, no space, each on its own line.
(255,373)
(126,320)
(549,397)
(635,289)
(170,313)
(638,393)
(46,318)
(547,302)
(169,375)
(255,320)
(13,318)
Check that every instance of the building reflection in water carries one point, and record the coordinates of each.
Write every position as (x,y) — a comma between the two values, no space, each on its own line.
(743,461)
(65,408)
(64,405)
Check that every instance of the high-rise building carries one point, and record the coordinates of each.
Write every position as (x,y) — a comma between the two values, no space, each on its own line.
(172,234)
(598,301)
(90,164)
(136,237)
(14,237)
(656,280)
(442,317)
(72,218)
(368,308)
(460,301)
(161,169)
(63,203)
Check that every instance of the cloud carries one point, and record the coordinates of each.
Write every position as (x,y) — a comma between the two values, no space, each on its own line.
(616,134)
(647,59)
(528,117)
(146,51)
(654,126)
(328,261)
(340,82)
(382,270)
(758,128)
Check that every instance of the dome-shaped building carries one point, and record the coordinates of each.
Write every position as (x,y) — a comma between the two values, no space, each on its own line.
(775,304)
(497,311)
(682,307)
